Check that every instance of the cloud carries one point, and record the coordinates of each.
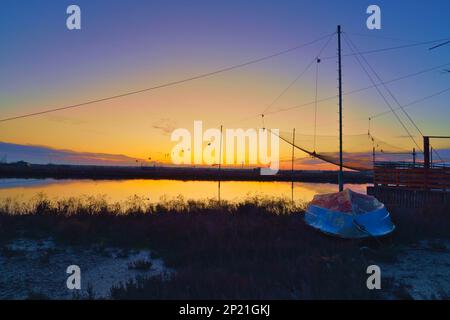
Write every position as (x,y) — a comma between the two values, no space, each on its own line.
(42,155)
(166,125)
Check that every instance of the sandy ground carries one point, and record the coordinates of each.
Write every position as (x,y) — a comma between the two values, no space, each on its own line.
(31,267)
(420,272)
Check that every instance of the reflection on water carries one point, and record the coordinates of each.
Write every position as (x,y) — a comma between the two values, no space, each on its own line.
(153,190)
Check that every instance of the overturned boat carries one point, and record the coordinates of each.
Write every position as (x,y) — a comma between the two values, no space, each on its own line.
(349,214)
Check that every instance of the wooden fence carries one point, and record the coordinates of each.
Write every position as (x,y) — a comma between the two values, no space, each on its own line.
(394,197)
(407,176)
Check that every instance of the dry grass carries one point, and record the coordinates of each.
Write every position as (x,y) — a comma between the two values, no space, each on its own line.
(257,249)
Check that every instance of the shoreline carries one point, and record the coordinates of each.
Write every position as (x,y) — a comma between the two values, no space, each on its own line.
(30,171)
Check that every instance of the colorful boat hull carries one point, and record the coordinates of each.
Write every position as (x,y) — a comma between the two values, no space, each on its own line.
(350,225)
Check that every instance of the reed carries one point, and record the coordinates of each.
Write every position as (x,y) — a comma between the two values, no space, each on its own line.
(259,248)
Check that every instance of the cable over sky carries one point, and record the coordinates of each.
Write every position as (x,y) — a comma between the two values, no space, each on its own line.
(169,84)
(219,71)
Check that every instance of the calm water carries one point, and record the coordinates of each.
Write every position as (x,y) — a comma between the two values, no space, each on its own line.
(154,190)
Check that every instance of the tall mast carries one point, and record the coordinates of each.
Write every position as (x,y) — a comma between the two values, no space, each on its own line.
(340,177)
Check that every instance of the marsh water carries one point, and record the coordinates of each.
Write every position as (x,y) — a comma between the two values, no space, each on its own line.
(24,190)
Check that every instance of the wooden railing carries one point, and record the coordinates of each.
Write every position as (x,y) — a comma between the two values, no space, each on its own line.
(412,177)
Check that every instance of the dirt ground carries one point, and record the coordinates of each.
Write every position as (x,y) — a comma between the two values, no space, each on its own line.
(37,269)
(420,271)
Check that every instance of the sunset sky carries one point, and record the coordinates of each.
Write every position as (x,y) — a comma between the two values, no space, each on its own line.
(130,45)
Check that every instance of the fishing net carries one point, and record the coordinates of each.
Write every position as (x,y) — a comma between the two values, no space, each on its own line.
(360,151)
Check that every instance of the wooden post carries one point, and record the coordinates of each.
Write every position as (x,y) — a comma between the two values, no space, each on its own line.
(220,163)
(431,157)
(292,165)
(426,152)
(373,157)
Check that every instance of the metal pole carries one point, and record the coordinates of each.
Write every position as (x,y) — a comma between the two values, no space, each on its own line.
(220,163)
(292,165)
(414,157)
(340,177)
